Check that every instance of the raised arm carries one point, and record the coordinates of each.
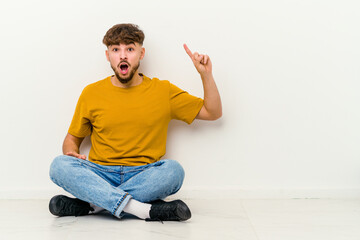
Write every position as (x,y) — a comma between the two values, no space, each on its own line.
(71,146)
(212,108)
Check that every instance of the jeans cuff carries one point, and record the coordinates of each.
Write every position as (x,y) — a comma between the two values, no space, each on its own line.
(120,205)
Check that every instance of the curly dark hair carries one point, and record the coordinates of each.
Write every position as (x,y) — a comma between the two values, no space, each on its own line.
(125,33)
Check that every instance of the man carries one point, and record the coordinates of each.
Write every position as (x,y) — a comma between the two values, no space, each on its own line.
(127,116)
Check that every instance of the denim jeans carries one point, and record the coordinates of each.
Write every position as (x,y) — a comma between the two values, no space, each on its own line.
(111,187)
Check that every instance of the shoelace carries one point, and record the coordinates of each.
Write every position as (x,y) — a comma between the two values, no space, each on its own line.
(75,209)
(166,212)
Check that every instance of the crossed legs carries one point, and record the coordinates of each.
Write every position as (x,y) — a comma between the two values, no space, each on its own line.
(112,187)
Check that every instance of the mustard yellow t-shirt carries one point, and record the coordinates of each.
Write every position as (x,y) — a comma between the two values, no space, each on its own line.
(128,126)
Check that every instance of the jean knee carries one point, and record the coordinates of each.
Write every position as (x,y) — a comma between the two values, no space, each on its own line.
(58,167)
(175,172)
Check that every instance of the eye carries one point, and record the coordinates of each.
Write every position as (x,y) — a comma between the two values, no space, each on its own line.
(130,49)
(115,50)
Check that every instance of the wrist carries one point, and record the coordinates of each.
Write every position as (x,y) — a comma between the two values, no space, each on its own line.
(206,76)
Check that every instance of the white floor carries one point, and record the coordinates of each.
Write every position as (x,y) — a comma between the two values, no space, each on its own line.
(304,219)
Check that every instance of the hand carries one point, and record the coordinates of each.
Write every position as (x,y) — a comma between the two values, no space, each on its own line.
(74,154)
(201,62)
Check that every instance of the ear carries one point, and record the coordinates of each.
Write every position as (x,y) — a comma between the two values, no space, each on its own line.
(142,53)
(107,55)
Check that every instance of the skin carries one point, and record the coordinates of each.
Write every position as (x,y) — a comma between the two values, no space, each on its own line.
(132,54)
(212,108)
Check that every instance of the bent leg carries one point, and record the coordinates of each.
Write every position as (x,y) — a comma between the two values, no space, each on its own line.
(79,177)
(160,180)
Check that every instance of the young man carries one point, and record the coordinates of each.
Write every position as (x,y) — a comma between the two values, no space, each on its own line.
(127,116)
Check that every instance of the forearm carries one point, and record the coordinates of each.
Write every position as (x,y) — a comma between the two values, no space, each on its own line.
(212,109)
(70,146)
(212,100)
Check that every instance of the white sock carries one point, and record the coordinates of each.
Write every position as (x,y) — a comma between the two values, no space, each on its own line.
(139,209)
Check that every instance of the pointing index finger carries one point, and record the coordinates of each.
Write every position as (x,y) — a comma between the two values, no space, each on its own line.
(188,51)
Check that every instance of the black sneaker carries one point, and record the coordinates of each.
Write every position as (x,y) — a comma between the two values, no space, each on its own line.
(61,205)
(169,211)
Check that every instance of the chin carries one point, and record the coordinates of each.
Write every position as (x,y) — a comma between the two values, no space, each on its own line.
(124,80)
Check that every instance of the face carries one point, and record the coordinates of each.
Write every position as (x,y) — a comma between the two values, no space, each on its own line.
(125,60)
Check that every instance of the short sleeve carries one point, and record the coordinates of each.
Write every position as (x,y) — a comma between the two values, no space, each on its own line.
(80,125)
(184,107)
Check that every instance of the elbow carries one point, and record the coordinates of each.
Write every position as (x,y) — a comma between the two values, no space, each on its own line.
(212,115)
(219,113)
(216,116)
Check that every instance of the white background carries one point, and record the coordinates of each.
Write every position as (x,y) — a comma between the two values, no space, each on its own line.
(287,71)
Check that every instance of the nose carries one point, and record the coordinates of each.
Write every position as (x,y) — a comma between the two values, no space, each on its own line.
(123,55)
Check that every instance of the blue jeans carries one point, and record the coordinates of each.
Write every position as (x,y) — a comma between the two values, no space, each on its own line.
(111,187)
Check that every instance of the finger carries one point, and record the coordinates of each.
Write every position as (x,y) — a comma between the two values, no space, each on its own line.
(201,59)
(69,154)
(73,154)
(188,51)
(196,56)
(206,58)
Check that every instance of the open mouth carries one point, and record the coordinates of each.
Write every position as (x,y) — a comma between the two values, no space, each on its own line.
(124,68)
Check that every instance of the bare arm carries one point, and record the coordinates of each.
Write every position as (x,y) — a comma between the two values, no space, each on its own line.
(71,146)
(212,108)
